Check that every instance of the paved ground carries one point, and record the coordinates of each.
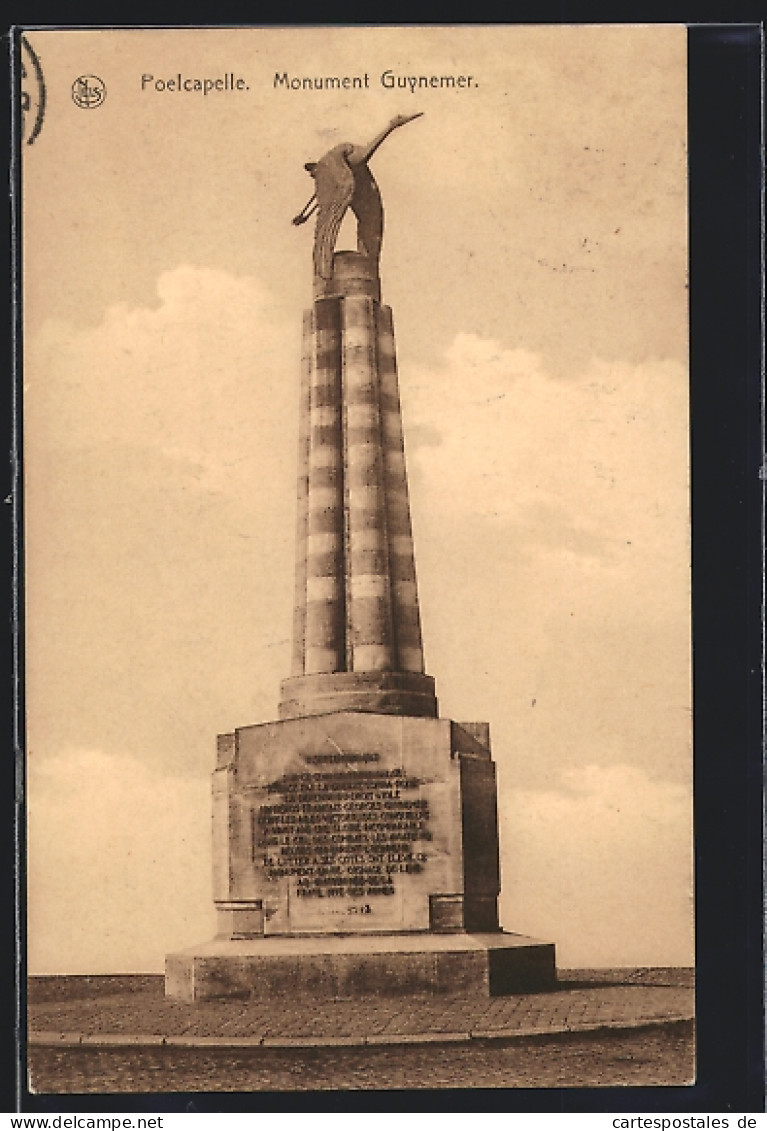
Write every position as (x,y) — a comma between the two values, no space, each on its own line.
(132,1011)
(603,1058)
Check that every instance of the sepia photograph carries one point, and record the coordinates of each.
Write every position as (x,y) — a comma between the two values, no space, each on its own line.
(357,558)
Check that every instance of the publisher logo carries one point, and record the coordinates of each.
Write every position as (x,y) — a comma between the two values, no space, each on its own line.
(88,92)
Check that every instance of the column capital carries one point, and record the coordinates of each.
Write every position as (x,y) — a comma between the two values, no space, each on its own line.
(353,274)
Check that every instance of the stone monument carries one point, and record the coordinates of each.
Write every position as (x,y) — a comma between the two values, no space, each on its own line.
(355,840)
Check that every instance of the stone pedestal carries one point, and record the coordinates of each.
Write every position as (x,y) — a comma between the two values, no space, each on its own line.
(357,850)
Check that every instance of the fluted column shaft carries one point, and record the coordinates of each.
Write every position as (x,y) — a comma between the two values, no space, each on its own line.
(325,649)
(357,632)
(404,592)
(368,602)
(302,494)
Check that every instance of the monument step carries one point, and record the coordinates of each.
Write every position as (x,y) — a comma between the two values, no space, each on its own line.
(335,966)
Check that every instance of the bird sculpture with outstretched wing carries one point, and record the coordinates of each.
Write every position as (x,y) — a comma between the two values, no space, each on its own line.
(342,179)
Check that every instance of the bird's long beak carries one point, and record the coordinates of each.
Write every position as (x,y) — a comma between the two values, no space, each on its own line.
(306,211)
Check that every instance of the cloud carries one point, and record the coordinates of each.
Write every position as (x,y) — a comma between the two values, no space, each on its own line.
(551,532)
(199,376)
(156,461)
(148,437)
(578,464)
(601,864)
(119,866)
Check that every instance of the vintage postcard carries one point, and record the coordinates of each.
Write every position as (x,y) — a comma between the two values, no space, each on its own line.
(355,405)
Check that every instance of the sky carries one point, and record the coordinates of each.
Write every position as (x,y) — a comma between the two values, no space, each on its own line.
(535,260)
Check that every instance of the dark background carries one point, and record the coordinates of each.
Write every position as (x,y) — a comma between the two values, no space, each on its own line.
(726,448)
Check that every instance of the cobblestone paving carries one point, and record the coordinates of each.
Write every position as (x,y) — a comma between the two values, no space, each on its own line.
(584,1001)
(635,1057)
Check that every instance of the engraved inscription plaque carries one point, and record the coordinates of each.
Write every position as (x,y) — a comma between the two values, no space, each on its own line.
(343,833)
(363,836)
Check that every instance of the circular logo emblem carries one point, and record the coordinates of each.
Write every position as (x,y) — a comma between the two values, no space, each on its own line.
(88,92)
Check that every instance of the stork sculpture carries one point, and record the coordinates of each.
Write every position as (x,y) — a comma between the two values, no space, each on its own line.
(342,179)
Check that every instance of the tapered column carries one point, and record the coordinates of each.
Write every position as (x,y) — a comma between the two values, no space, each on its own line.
(370,644)
(302,493)
(325,613)
(357,633)
(404,592)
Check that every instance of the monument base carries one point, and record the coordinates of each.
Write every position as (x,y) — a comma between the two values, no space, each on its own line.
(391,965)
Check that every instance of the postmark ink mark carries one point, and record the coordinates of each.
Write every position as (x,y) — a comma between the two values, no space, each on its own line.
(88,92)
(33,95)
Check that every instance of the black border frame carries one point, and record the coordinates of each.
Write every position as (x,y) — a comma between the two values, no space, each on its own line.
(726,207)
